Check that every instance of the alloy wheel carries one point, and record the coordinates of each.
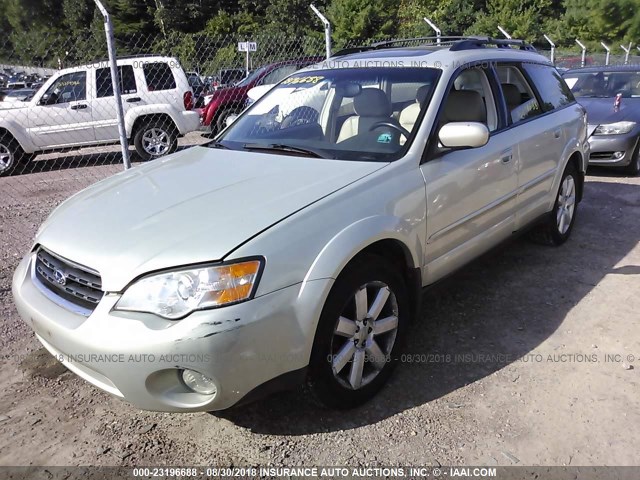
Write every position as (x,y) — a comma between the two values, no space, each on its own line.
(566,204)
(6,158)
(156,141)
(364,335)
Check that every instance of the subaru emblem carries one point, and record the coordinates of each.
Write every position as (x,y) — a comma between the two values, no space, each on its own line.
(59,276)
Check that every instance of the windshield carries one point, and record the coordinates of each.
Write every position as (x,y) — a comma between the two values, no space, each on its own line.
(351,114)
(252,76)
(604,84)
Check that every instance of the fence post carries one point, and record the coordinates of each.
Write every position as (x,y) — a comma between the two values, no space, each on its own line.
(584,52)
(553,49)
(115,80)
(435,29)
(626,51)
(504,32)
(606,59)
(327,29)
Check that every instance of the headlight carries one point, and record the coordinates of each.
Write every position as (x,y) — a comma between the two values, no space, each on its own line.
(618,128)
(174,295)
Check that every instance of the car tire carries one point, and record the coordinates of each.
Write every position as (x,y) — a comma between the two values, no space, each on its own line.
(633,169)
(155,139)
(359,334)
(11,155)
(556,228)
(221,122)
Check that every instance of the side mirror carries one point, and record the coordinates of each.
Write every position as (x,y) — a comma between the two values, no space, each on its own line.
(49,98)
(463,135)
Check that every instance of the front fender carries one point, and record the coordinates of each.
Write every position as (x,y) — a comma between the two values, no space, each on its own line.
(18,132)
(355,238)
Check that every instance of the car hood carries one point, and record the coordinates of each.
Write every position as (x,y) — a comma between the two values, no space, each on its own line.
(600,110)
(191,207)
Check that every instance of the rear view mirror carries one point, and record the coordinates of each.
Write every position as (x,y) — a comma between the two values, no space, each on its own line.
(349,90)
(463,135)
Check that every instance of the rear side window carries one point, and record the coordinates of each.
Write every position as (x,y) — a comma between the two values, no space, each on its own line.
(104,86)
(552,89)
(159,76)
(518,94)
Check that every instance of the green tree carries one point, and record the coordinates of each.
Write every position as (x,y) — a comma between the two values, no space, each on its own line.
(356,21)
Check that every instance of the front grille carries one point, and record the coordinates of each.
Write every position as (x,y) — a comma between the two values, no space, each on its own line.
(69,281)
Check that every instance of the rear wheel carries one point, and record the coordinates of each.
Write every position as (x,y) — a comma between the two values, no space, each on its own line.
(556,229)
(11,154)
(359,334)
(155,139)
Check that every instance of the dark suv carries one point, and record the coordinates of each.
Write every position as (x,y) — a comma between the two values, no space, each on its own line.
(231,101)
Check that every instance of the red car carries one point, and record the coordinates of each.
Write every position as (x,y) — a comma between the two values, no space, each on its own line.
(232,100)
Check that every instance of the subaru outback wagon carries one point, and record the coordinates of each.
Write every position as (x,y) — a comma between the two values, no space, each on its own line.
(293,249)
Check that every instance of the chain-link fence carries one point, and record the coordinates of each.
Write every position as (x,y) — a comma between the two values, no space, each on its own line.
(61,134)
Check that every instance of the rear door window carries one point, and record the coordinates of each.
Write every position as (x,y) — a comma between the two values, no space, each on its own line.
(159,76)
(104,86)
(521,101)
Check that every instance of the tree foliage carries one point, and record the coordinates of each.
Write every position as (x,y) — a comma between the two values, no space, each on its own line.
(39,29)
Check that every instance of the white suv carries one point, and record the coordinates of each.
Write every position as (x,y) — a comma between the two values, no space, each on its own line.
(293,249)
(76,108)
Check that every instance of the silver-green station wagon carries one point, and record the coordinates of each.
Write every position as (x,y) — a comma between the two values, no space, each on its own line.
(293,249)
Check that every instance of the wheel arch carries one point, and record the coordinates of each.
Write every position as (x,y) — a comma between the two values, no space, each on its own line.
(140,120)
(381,236)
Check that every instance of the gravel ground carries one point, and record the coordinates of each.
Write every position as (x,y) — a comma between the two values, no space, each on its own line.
(525,357)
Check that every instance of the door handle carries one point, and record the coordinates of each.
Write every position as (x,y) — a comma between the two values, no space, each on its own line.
(80,106)
(133,99)
(507,156)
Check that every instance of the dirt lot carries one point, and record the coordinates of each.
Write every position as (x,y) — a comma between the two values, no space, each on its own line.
(507,366)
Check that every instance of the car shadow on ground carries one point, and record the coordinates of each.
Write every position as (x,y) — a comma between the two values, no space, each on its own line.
(492,313)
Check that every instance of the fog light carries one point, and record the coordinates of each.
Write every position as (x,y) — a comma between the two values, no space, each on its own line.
(618,155)
(199,383)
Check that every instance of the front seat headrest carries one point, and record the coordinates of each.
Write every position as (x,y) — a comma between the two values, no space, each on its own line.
(464,106)
(422,93)
(372,102)
(511,95)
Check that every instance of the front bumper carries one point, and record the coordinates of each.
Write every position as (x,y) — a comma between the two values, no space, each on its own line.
(613,150)
(189,121)
(139,357)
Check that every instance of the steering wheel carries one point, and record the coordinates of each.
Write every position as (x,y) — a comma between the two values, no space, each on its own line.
(300,116)
(398,128)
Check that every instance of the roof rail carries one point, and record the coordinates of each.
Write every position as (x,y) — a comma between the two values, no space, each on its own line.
(481,42)
(454,44)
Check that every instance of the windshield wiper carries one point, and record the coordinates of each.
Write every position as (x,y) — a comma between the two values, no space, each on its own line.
(217,145)
(280,147)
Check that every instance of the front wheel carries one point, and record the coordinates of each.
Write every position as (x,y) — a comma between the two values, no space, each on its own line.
(556,229)
(633,168)
(155,139)
(359,334)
